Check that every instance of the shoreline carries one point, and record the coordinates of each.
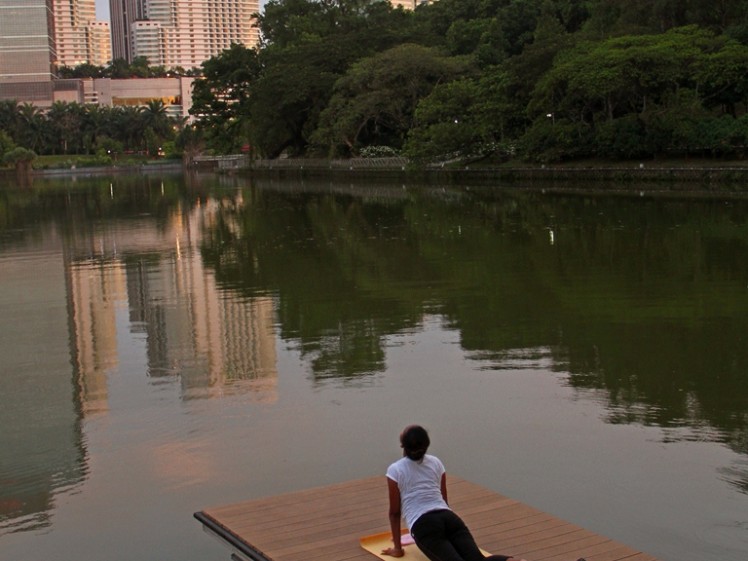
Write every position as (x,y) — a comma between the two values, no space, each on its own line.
(106,170)
(635,179)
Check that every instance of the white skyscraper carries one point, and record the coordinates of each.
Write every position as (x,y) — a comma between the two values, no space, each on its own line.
(79,37)
(72,20)
(99,43)
(181,32)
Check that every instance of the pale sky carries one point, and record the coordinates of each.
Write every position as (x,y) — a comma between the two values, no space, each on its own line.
(102,9)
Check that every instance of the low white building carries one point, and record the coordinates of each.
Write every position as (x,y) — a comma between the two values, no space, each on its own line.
(408,4)
(175,93)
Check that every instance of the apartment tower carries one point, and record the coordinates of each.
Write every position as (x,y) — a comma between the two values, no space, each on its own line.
(72,19)
(181,32)
(99,43)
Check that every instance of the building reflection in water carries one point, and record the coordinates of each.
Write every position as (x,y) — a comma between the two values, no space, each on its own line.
(125,280)
(40,424)
(213,341)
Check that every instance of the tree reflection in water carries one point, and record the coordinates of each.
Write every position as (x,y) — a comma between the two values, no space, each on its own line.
(643,299)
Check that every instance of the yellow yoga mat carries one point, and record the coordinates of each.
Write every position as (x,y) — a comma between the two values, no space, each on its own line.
(377,542)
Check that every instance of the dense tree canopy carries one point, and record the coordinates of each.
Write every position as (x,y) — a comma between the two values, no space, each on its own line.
(73,128)
(545,80)
(87,129)
(542,79)
(374,102)
(221,98)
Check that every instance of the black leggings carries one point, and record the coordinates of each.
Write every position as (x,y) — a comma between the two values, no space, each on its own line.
(443,536)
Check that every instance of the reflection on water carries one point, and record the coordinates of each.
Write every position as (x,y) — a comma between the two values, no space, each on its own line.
(642,305)
(136,275)
(646,300)
(153,273)
(193,331)
(41,448)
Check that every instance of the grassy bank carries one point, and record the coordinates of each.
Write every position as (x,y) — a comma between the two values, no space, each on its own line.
(88,161)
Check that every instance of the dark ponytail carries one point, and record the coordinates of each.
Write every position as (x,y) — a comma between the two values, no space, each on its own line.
(415,442)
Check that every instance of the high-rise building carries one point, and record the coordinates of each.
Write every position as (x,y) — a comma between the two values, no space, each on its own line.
(181,32)
(79,37)
(72,22)
(99,43)
(27,41)
(37,36)
(123,14)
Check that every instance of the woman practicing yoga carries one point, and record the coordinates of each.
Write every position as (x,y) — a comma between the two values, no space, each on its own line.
(417,485)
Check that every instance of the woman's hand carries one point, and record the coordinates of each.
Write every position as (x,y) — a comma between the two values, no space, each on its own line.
(393,551)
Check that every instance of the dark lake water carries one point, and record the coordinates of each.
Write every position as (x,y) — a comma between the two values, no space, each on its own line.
(170,344)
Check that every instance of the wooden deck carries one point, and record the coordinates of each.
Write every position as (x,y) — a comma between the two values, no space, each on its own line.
(326,523)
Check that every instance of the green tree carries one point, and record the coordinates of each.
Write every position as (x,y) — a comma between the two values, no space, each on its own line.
(189,143)
(151,141)
(6,144)
(283,22)
(85,70)
(722,77)
(126,127)
(10,118)
(308,46)
(140,68)
(119,68)
(467,118)
(94,125)
(446,123)
(156,118)
(108,147)
(632,17)
(220,99)
(32,131)
(65,122)
(22,159)
(603,80)
(288,97)
(374,103)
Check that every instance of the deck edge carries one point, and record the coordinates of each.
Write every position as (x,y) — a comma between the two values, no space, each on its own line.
(230,538)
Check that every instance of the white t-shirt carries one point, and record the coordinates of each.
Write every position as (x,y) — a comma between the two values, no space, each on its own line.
(420,486)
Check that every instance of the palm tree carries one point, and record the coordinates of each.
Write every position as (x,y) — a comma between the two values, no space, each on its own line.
(129,126)
(66,123)
(31,128)
(94,126)
(156,119)
(9,118)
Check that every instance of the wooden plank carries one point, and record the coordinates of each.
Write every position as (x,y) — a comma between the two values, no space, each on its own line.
(326,523)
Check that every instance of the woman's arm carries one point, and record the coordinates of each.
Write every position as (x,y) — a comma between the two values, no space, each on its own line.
(394,493)
(444,487)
